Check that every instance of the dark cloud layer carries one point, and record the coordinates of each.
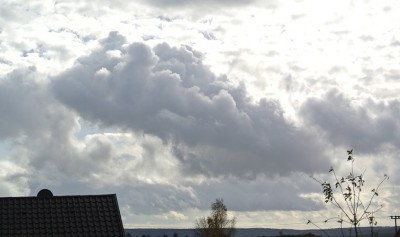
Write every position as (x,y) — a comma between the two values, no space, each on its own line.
(367,126)
(168,92)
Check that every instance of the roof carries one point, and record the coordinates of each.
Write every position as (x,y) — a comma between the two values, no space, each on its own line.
(72,216)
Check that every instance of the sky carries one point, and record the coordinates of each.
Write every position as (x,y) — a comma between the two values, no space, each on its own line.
(171,104)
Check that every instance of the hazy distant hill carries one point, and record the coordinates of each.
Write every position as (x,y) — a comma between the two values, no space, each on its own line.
(259,232)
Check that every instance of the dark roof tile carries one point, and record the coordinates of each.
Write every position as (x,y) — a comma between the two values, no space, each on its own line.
(61,216)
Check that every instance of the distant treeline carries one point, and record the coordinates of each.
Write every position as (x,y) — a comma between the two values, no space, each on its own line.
(264,232)
(300,235)
(177,235)
(174,235)
(159,233)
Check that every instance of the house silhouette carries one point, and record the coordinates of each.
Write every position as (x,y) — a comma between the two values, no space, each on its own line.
(60,216)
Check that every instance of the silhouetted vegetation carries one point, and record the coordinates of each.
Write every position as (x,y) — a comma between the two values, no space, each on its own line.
(345,193)
(217,224)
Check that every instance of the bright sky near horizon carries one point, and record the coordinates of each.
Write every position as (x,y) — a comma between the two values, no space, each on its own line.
(171,104)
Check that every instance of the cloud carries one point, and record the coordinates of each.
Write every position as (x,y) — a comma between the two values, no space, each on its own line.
(366,125)
(212,126)
(22,103)
(197,3)
(178,216)
(36,129)
(13,180)
(256,195)
(157,125)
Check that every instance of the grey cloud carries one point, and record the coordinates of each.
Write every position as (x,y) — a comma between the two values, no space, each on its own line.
(392,75)
(22,103)
(136,198)
(240,195)
(102,6)
(58,155)
(20,12)
(337,70)
(367,38)
(395,43)
(39,50)
(256,195)
(298,16)
(5,61)
(163,91)
(365,127)
(83,38)
(40,132)
(97,166)
(272,53)
(37,129)
(208,35)
(197,3)
(158,198)
(166,18)
(169,93)
(387,9)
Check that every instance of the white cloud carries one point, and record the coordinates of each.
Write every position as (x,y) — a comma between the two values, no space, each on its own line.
(178,216)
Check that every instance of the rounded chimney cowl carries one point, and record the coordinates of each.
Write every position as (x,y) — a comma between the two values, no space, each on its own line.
(45,193)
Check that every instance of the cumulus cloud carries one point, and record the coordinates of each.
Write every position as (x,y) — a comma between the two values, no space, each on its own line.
(31,120)
(19,111)
(365,125)
(212,126)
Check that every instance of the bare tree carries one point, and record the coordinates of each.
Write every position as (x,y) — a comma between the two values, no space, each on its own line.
(217,224)
(346,195)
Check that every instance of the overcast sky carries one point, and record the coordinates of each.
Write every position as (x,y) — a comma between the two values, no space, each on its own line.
(171,104)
